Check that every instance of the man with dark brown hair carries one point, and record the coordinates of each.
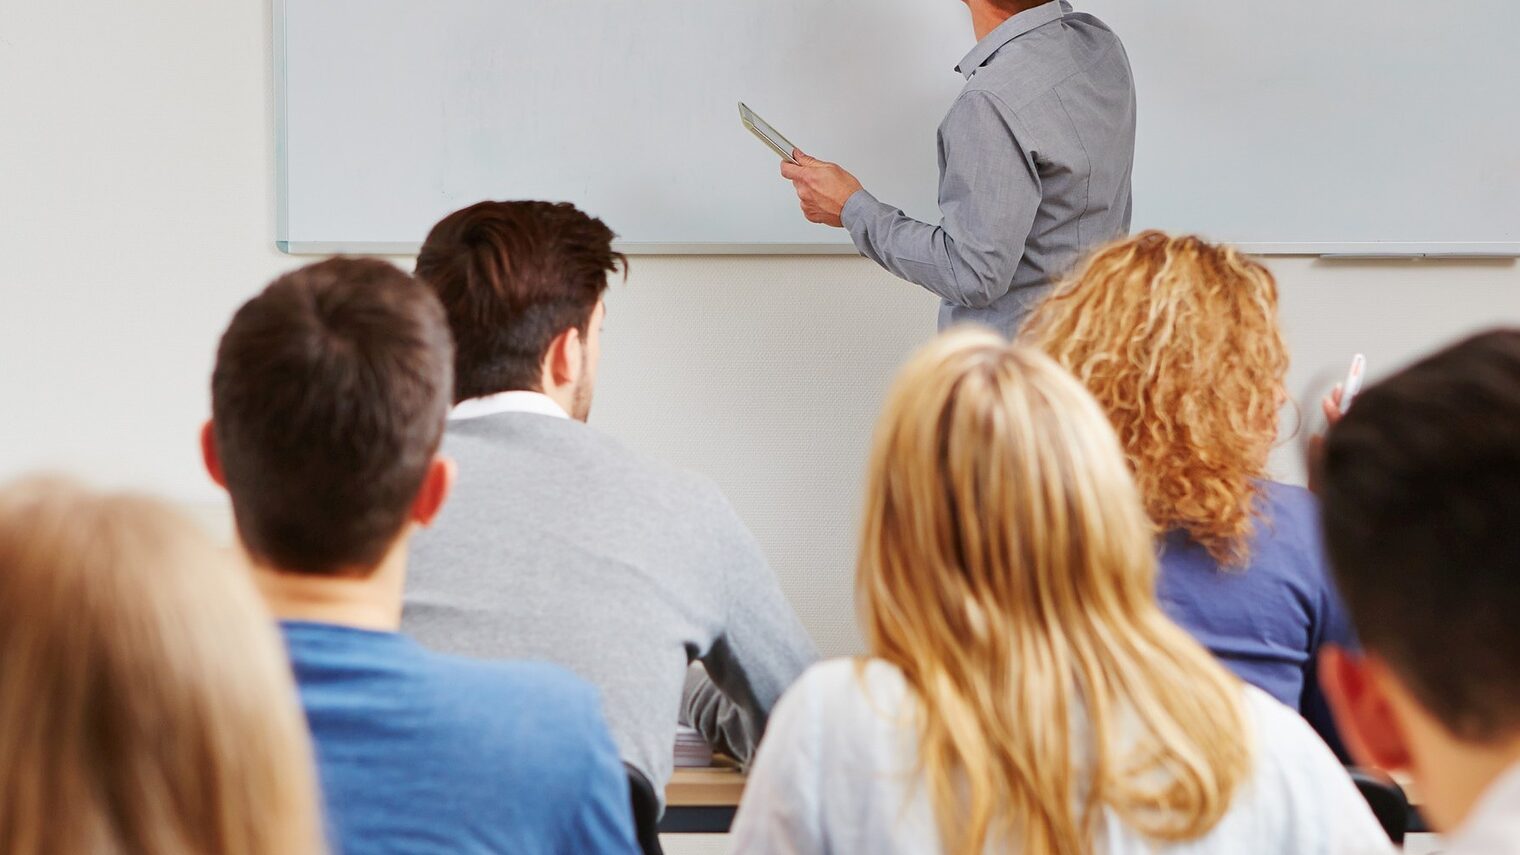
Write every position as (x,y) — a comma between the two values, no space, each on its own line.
(328,403)
(1420,486)
(562,543)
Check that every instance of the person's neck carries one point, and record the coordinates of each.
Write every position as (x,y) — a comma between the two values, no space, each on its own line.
(986,17)
(363,600)
(1454,777)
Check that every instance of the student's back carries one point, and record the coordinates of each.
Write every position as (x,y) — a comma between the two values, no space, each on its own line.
(1178,341)
(328,400)
(422,752)
(848,782)
(1265,619)
(563,544)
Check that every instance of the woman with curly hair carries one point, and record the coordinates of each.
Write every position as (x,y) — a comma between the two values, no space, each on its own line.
(1178,340)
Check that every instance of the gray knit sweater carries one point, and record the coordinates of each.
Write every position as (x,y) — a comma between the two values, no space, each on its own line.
(561,544)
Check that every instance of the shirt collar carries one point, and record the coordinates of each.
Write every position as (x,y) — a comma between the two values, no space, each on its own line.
(517,401)
(1009,30)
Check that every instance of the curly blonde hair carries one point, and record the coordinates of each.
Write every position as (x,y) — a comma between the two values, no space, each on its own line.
(1178,340)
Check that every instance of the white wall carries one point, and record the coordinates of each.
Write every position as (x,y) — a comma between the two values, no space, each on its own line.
(136,165)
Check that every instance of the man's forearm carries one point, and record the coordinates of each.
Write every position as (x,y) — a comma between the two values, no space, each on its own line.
(921,253)
(724,726)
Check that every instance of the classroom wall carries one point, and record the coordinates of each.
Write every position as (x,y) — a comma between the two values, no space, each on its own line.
(136,212)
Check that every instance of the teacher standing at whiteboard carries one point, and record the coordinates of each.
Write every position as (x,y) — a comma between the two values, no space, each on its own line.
(1034,164)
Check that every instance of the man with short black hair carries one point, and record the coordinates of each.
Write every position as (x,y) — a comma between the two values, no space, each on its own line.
(1420,485)
(328,402)
(562,543)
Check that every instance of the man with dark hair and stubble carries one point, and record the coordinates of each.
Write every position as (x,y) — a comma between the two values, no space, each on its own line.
(565,545)
(1420,486)
(328,403)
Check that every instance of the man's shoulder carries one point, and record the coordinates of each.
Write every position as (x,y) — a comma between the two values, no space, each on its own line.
(598,456)
(1033,66)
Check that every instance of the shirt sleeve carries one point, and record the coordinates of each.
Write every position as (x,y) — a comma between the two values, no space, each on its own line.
(603,820)
(780,813)
(1341,821)
(989,192)
(760,650)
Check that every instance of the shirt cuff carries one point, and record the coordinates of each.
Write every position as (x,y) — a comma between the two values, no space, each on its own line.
(855,207)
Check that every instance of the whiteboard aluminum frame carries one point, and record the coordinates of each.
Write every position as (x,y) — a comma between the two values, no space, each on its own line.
(1346,251)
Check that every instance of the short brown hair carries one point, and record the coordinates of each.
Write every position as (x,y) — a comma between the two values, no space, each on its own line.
(512,276)
(328,402)
(1420,489)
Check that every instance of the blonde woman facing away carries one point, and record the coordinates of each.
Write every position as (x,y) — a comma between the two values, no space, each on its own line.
(1178,340)
(1023,691)
(146,706)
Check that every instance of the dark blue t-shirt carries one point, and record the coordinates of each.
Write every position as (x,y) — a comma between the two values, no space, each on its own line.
(1266,620)
(420,752)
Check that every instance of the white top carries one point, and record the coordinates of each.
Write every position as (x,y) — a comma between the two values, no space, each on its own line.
(835,774)
(507,402)
(1493,827)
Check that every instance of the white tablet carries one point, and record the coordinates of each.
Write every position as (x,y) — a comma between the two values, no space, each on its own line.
(766,134)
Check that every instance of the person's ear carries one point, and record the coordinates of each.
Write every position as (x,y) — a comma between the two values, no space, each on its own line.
(436,486)
(566,357)
(209,457)
(1355,688)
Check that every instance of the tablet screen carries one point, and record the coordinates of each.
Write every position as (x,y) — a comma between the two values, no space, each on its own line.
(767,134)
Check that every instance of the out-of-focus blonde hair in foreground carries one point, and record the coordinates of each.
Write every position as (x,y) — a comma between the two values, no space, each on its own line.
(1007,569)
(1178,340)
(146,705)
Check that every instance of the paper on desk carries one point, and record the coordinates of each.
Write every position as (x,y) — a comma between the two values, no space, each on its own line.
(691,748)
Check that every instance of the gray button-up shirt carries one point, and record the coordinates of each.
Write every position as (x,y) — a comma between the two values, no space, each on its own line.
(1034,163)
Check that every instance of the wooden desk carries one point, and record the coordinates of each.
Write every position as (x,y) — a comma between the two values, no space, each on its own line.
(702,800)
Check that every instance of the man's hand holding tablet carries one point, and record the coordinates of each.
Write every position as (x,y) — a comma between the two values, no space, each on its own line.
(822,187)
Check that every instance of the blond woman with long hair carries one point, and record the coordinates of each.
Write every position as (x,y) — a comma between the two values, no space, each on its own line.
(1023,692)
(1178,340)
(145,704)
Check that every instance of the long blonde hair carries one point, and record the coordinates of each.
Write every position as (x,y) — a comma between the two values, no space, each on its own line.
(1006,568)
(146,705)
(1178,340)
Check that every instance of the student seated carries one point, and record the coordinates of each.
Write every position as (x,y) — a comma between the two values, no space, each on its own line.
(1023,690)
(1178,341)
(328,402)
(1420,483)
(145,704)
(563,544)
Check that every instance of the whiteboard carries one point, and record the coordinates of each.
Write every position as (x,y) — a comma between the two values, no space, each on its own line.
(1359,127)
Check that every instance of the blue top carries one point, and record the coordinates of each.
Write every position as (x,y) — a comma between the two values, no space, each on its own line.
(1265,621)
(420,752)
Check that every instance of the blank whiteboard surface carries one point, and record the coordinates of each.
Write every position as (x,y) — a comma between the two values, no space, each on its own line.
(1361,126)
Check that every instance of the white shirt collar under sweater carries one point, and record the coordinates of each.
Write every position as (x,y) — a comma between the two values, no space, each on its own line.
(1493,826)
(507,402)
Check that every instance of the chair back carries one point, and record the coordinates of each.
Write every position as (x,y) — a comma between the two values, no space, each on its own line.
(646,811)
(1386,798)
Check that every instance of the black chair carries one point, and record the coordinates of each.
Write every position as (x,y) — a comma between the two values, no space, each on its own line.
(646,811)
(1386,798)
